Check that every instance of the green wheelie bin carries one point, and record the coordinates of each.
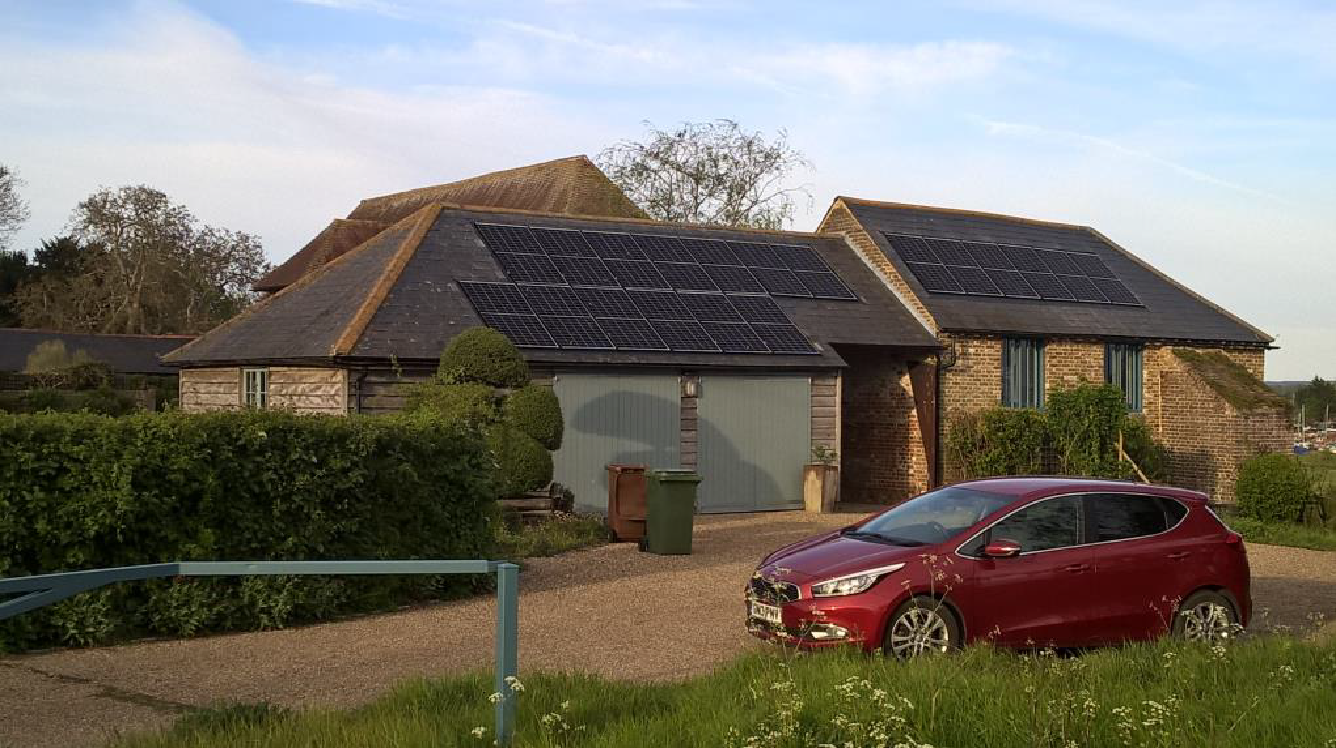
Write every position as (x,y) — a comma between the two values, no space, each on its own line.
(670,505)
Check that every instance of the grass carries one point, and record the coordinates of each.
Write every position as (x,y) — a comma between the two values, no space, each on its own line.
(1259,692)
(564,532)
(1314,537)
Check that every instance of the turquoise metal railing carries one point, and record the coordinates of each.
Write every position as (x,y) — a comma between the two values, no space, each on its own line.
(44,589)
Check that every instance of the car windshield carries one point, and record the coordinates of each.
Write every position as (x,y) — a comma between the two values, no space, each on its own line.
(932,517)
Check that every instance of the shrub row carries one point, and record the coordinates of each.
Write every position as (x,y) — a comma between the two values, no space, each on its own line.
(82,491)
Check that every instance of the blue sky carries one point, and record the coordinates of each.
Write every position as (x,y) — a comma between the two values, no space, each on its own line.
(1199,135)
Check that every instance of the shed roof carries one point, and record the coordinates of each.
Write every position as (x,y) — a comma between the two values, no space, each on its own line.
(125,354)
(399,297)
(1170,310)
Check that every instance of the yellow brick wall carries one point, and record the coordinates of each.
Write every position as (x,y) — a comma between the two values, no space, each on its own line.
(841,220)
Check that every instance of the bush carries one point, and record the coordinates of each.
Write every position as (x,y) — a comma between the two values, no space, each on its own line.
(80,491)
(1001,441)
(472,404)
(1274,488)
(522,463)
(103,400)
(535,410)
(483,355)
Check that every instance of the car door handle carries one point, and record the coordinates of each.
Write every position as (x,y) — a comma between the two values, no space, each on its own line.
(1076,568)
(1179,555)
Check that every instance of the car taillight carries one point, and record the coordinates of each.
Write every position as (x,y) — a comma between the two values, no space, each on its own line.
(1235,540)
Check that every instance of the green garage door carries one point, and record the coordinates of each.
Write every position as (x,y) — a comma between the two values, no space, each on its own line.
(612,418)
(754,438)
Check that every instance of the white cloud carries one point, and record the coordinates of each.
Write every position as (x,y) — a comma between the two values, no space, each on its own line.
(866,69)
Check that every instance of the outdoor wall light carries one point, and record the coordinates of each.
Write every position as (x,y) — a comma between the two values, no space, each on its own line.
(690,386)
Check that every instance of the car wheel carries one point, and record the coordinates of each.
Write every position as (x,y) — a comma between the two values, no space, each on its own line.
(921,625)
(1206,616)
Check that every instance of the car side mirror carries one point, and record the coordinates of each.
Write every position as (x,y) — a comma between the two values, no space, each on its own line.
(1002,548)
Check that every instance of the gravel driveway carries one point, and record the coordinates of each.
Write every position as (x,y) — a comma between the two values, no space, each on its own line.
(674,617)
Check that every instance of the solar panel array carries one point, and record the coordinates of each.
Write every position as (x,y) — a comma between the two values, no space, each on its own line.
(621,291)
(1009,271)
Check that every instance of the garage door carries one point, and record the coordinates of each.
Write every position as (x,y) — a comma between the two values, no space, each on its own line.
(754,437)
(614,418)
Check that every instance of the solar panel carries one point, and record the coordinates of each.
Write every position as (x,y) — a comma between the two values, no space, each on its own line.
(524,330)
(576,332)
(607,302)
(988,256)
(1059,263)
(684,335)
(735,337)
(974,281)
(710,307)
(584,271)
(756,255)
(507,238)
(1114,290)
(1091,265)
(780,282)
(951,253)
(1025,258)
(1048,286)
(1081,288)
(553,300)
(528,268)
(664,248)
(933,277)
(1011,283)
(632,334)
(730,278)
(660,305)
(711,251)
(784,339)
(562,242)
(797,257)
(504,298)
(912,248)
(824,285)
(614,246)
(685,276)
(759,309)
(636,274)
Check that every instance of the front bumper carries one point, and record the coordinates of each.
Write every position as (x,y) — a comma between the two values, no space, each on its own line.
(821,622)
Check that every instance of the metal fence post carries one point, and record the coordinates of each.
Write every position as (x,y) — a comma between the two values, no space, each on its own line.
(507,646)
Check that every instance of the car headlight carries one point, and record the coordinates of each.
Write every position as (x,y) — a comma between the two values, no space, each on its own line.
(852,584)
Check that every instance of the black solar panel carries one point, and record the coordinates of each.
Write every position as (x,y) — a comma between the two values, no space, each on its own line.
(780,282)
(553,300)
(610,246)
(974,281)
(912,249)
(951,253)
(685,276)
(730,278)
(711,251)
(528,268)
(710,307)
(664,248)
(562,242)
(607,302)
(1092,265)
(1081,288)
(933,277)
(1114,290)
(735,337)
(684,335)
(636,274)
(524,330)
(760,309)
(584,271)
(796,257)
(824,285)
(576,332)
(1048,286)
(1025,258)
(632,334)
(757,255)
(1012,283)
(1059,263)
(988,256)
(503,298)
(660,305)
(784,339)
(507,238)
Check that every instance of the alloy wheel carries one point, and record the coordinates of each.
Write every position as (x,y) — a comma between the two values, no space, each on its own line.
(919,631)
(1207,621)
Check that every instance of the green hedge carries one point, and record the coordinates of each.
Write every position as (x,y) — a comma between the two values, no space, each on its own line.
(82,491)
(1274,488)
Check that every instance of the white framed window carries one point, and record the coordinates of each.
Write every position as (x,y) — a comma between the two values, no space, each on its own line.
(255,388)
(1122,369)
(1022,373)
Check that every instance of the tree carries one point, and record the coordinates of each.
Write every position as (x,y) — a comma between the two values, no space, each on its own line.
(13,209)
(710,173)
(136,262)
(1315,400)
(14,271)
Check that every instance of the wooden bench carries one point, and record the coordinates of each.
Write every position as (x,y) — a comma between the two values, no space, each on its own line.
(536,506)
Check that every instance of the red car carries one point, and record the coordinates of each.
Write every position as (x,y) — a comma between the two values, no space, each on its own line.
(1021,562)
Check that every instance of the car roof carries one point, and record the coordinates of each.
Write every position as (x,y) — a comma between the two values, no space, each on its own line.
(1029,486)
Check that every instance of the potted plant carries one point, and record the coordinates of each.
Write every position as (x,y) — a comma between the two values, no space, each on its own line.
(821,480)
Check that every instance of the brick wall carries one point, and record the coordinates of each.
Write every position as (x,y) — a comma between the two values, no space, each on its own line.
(883,461)
(839,220)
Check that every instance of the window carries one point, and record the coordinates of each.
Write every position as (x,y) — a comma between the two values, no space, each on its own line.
(1124,516)
(937,515)
(1022,373)
(255,388)
(1042,526)
(1122,369)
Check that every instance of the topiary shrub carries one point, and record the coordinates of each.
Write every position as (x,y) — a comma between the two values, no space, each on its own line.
(522,463)
(472,404)
(535,410)
(483,355)
(1274,487)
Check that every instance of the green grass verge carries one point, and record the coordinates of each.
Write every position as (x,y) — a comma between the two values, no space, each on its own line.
(1268,691)
(566,532)
(1314,537)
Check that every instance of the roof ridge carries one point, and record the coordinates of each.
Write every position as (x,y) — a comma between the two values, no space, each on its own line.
(478,177)
(426,218)
(618,219)
(956,211)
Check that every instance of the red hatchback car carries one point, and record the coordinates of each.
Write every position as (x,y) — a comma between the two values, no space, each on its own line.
(1030,561)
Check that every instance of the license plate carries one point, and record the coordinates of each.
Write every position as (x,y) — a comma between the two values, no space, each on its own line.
(767,613)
